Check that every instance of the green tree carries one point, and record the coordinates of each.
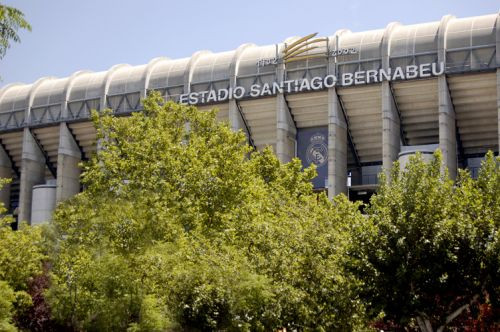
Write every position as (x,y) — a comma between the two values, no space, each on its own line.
(428,249)
(11,20)
(21,257)
(183,225)
(7,299)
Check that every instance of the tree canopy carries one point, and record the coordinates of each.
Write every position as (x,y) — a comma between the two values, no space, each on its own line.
(182,225)
(11,20)
(21,258)
(429,248)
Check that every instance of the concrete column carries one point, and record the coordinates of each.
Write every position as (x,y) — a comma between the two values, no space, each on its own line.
(447,129)
(6,173)
(68,171)
(391,133)
(498,106)
(32,173)
(286,133)
(337,146)
(235,119)
(337,132)
(497,58)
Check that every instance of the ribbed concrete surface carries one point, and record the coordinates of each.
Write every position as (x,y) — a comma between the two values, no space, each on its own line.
(85,135)
(309,109)
(261,118)
(49,140)
(475,100)
(13,143)
(363,106)
(418,104)
(223,110)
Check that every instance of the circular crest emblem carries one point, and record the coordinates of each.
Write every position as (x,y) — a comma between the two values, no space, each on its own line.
(317,151)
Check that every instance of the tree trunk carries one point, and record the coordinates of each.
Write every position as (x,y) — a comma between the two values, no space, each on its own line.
(424,324)
(456,313)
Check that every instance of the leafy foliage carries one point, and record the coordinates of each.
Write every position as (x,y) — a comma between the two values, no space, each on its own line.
(37,317)
(429,248)
(21,256)
(11,20)
(183,226)
(6,307)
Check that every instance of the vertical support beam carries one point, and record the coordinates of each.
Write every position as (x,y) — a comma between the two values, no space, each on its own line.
(237,120)
(33,162)
(236,117)
(498,106)
(286,133)
(32,173)
(391,131)
(337,130)
(447,128)
(6,173)
(337,146)
(68,171)
(497,58)
(447,123)
(391,124)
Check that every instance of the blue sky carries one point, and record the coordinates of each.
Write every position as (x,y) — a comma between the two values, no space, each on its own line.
(70,35)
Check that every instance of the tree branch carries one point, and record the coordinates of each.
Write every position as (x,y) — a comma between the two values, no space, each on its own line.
(423,323)
(457,312)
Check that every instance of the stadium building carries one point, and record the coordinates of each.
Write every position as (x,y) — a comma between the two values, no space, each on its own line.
(352,103)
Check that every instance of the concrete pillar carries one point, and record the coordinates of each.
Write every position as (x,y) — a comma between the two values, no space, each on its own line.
(497,59)
(32,173)
(337,132)
(391,133)
(235,118)
(68,171)
(498,106)
(337,146)
(286,133)
(447,128)
(5,173)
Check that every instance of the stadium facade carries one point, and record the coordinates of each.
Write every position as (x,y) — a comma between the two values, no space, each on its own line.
(352,103)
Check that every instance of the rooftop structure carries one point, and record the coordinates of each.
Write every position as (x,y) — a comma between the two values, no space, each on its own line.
(349,102)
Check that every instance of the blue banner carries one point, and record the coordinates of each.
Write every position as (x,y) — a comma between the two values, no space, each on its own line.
(312,148)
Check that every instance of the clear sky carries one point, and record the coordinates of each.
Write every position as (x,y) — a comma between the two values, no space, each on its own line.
(70,35)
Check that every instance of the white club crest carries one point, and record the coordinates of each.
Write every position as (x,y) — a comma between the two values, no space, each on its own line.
(317,150)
